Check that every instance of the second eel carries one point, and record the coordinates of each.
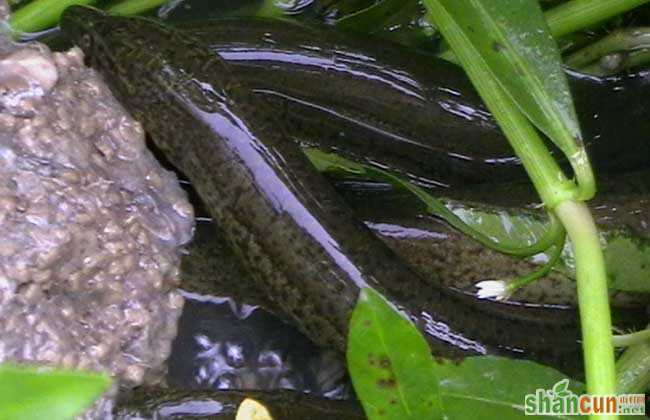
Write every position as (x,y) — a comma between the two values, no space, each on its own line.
(299,240)
(386,104)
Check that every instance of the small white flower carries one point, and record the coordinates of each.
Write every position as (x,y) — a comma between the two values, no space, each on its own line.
(492,289)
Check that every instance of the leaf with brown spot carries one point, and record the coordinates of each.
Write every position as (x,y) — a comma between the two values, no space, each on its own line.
(390,364)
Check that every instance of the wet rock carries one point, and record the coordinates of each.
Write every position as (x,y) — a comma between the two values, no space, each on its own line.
(90,225)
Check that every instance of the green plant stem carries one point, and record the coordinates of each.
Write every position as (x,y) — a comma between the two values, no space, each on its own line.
(636,58)
(626,340)
(620,40)
(543,271)
(551,184)
(579,14)
(593,298)
(633,369)
(575,15)
(41,14)
(134,7)
(630,61)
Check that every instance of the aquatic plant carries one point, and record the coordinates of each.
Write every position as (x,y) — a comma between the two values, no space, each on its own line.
(517,70)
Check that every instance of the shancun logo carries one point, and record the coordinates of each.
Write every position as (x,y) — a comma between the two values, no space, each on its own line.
(560,400)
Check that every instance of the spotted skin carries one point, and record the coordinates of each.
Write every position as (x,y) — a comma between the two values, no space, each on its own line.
(412,111)
(301,243)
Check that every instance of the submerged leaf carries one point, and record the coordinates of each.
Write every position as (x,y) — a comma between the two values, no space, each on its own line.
(28,393)
(628,262)
(521,228)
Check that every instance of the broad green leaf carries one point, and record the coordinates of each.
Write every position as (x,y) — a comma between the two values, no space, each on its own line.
(28,393)
(547,177)
(390,363)
(496,387)
(513,39)
(395,376)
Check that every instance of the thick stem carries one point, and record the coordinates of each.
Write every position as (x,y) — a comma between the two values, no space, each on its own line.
(593,298)
(579,14)
(573,16)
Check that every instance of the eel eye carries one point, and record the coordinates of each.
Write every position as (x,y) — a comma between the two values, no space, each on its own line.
(86,41)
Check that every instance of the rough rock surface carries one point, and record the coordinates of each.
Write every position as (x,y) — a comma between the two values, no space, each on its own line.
(91,226)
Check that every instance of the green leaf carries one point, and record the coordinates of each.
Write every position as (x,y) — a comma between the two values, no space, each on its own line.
(461,32)
(333,163)
(41,14)
(575,15)
(496,387)
(521,228)
(627,256)
(270,9)
(38,393)
(513,39)
(390,363)
(395,376)
(628,262)
(497,230)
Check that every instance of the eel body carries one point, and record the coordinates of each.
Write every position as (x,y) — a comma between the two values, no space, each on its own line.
(160,403)
(407,110)
(301,243)
(431,247)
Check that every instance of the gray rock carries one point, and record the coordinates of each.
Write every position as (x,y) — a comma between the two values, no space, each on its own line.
(91,226)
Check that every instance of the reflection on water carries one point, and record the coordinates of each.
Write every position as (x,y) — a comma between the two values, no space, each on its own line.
(224,345)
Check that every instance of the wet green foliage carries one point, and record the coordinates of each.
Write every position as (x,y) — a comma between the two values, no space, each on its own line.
(30,393)
(390,363)
(396,377)
(512,38)
(628,262)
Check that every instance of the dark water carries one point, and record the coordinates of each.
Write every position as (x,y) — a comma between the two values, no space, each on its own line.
(225,345)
